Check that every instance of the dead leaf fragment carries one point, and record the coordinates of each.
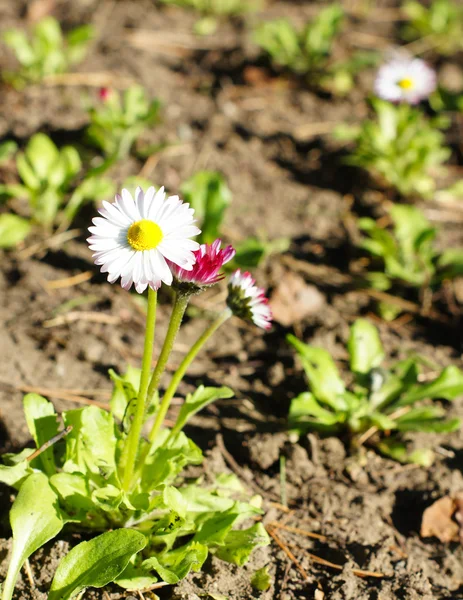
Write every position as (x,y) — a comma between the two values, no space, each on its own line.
(294,299)
(438,519)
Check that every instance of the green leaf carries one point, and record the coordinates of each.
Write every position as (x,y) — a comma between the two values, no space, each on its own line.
(197,401)
(427,419)
(215,530)
(398,451)
(175,565)
(95,563)
(249,252)
(451,263)
(49,31)
(306,413)
(27,174)
(168,460)
(448,385)
(325,382)
(16,468)
(91,189)
(46,209)
(73,491)
(35,519)
(135,578)
(261,580)
(18,42)
(208,193)
(77,43)
(91,445)
(125,391)
(42,423)
(365,348)
(13,230)
(42,155)
(7,150)
(382,421)
(239,544)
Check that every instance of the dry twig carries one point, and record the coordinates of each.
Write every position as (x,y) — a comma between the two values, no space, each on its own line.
(69,281)
(288,552)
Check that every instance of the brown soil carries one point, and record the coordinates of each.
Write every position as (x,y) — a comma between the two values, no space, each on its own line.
(287,181)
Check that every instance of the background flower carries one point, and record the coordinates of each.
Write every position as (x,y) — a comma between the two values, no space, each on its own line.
(134,238)
(405,78)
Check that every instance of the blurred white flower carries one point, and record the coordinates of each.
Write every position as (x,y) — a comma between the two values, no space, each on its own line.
(405,79)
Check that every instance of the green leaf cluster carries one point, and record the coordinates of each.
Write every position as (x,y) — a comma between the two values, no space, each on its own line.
(47,176)
(388,400)
(46,51)
(161,528)
(407,254)
(441,23)
(218,8)
(401,146)
(305,51)
(118,121)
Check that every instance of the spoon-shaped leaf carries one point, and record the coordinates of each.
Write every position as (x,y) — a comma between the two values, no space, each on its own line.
(34,520)
(95,563)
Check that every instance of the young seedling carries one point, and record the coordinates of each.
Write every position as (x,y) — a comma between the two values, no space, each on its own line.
(302,52)
(438,26)
(213,10)
(400,146)
(48,177)
(110,478)
(309,52)
(47,51)
(119,119)
(407,255)
(381,403)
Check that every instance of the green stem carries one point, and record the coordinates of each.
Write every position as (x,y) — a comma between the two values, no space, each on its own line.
(178,375)
(137,424)
(180,304)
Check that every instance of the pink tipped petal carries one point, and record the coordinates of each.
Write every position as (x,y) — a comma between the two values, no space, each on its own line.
(248,301)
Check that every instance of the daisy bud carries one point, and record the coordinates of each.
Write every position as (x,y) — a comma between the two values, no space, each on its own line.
(210,258)
(104,94)
(248,301)
(405,79)
(135,237)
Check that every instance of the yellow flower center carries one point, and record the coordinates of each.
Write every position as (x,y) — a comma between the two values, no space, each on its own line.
(406,83)
(144,235)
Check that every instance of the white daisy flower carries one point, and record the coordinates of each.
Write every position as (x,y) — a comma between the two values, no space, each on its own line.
(134,237)
(406,79)
(248,301)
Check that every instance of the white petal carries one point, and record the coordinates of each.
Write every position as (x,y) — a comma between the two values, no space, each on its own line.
(159,267)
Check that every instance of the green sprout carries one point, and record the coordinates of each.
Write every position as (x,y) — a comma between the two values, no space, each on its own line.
(208,193)
(305,51)
(118,121)
(381,403)
(47,51)
(48,176)
(440,25)
(212,10)
(407,255)
(400,146)
(309,52)
(261,580)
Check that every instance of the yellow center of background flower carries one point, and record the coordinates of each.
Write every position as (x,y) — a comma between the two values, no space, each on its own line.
(406,83)
(144,235)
